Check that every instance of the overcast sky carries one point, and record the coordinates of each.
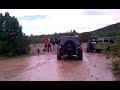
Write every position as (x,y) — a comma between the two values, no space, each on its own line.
(49,21)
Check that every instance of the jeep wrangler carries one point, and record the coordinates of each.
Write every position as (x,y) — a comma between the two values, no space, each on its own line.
(69,45)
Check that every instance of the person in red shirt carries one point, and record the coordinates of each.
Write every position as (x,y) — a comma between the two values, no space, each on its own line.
(49,45)
(45,44)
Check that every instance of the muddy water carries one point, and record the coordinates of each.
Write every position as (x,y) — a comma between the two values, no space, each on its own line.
(46,67)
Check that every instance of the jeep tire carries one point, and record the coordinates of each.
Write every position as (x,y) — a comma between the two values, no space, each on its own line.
(70,42)
(58,55)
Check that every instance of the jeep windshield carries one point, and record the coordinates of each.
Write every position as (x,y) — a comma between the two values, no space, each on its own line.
(66,38)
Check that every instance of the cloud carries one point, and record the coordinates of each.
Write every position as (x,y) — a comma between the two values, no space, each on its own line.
(48,21)
(80,23)
(93,12)
(101,12)
(35,17)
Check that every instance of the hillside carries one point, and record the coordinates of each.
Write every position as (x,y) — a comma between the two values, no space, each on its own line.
(108,31)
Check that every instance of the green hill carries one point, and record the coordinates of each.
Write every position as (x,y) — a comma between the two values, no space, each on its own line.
(109,31)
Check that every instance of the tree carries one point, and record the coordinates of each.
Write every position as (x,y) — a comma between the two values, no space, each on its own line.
(12,40)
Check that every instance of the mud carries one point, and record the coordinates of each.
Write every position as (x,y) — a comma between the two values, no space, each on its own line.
(46,67)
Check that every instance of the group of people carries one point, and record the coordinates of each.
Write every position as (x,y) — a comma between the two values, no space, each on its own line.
(49,45)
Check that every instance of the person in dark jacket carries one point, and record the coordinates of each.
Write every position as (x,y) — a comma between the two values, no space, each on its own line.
(89,46)
(53,45)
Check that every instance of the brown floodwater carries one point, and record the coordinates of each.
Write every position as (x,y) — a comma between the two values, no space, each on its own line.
(46,67)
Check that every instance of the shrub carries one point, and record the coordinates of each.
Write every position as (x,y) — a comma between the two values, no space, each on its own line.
(12,40)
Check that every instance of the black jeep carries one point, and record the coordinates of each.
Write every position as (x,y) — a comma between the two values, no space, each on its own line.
(69,45)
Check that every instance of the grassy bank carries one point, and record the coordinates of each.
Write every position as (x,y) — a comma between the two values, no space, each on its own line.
(116,69)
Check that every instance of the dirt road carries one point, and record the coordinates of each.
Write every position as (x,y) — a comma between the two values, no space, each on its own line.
(46,67)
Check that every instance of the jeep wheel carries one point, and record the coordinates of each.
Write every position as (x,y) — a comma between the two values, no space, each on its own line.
(58,55)
(80,56)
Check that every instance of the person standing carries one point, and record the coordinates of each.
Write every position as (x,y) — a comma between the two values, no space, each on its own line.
(53,45)
(49,45)
(89,46)
(45,44)
(38,49)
